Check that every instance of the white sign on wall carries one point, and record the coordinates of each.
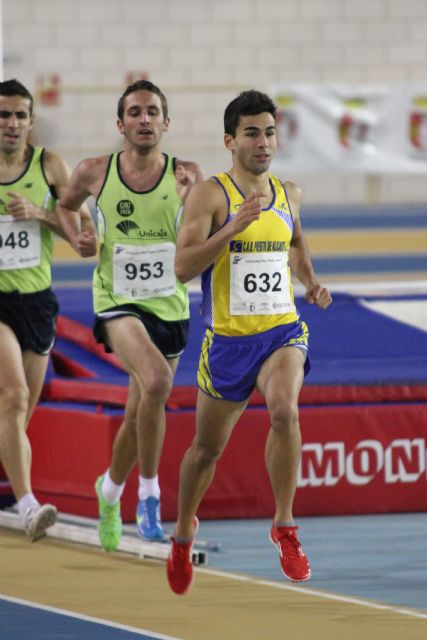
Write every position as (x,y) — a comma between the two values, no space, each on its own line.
(366,129)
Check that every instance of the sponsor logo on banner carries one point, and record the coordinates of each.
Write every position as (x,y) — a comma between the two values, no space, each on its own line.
(287,125)
(325,464)
(418,126)
(355,127)
(374,129)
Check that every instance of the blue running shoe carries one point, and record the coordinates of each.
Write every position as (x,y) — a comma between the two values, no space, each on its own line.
(148,521)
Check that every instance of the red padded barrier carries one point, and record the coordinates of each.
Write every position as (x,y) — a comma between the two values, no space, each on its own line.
(86,391)
(81,335)
(68,367)
(355,459)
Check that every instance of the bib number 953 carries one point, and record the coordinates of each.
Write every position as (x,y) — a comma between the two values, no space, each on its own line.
(145,270)
(141,272)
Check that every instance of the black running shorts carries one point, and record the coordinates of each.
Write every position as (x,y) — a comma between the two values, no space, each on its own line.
(31,316)
(169,337)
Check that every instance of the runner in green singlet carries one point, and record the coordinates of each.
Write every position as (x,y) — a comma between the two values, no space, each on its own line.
(141,308)
(31,180)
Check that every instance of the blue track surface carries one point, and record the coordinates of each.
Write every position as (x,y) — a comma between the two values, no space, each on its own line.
(26,622)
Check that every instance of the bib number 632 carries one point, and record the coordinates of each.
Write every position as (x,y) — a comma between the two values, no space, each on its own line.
(262,282)
(259,284)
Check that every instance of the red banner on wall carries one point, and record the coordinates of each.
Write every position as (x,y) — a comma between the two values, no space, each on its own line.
(363,459)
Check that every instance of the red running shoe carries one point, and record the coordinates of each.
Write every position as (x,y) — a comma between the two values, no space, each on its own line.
(179,565)
(295,564)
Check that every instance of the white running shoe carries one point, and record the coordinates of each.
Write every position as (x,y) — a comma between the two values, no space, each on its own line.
(38,519)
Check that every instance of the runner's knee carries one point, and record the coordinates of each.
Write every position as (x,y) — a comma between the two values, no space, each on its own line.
(159,384)
(14,398)
(284,416)
(204,455)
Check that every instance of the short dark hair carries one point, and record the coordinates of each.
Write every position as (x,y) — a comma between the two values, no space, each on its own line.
(247,103)
(15,88)
(141,85)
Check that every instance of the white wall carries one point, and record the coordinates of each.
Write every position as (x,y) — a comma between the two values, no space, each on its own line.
(202,53)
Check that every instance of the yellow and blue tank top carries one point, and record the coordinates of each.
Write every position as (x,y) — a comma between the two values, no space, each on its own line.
(26,246)
(248,290)
(137,235)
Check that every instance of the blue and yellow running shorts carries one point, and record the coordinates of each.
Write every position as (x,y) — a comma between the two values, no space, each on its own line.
(229,365)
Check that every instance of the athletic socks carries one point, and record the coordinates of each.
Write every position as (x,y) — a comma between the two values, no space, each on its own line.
(148,487)
(111,492)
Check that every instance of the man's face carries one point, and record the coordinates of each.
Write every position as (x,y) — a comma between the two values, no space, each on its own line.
(143,122)
(254,144)
(15,123)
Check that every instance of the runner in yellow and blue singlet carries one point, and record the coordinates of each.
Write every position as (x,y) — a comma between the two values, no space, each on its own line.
(248,302)
(241,230)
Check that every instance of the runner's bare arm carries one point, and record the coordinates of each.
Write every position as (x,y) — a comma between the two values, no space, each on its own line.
(85,181)
(57,175)
(203,234)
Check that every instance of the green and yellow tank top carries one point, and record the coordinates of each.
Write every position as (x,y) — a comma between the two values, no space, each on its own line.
(137,235)
(26,246)
(247,290)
